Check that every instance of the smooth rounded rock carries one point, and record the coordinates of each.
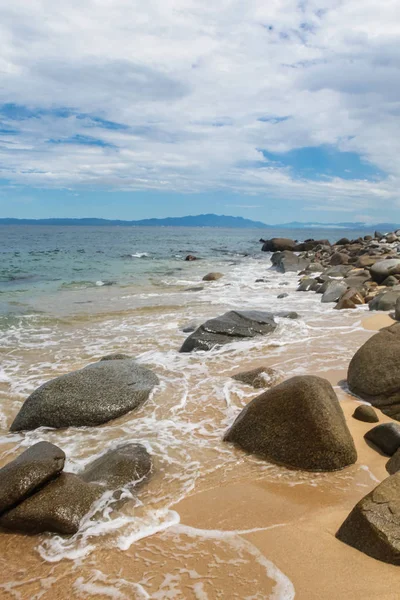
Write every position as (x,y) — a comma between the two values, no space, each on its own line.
(365,413)
(258,378)
(386,437)
(393,464)
(384,300)
(383,268)
(212,276)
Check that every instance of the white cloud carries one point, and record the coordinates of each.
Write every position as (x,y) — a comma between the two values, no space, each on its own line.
(191,80)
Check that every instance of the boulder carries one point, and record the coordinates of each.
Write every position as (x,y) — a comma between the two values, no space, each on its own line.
(59,507)
(343,242)
(374,372)
(334,290)
(278,245)
(314,268)
(189,328)
(308,285)
(383,268)
(127,465)
(384,300)
(335,272)
(91,396)
(397,310)
(391,238)
(365,413)
(29,471)
(289,262)
(284,295)
(390,281)
(191,258)
(386,437)
(229,327)
(378,235)
(299,424)
(212,276)
(311,244)
(374,523)
(339,258)
(258,378)
(350,299)
(367,261)
(393,464)
(117,356)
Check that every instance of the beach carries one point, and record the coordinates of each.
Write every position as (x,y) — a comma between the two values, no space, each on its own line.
(213,521)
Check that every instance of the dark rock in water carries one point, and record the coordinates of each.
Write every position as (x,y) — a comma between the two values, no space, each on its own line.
(311,244)
(197,288)
(299,424)
(308,285)
(190,328)
(289,262)
(259,378)
(393,464)
(334,290)
(385,436)
(374,372)
(385,300)
(229,327)
(126,465)
(366,414)
(383,268)
(278,245)
(190,257)
(116,356)
(91,396)
(288,315)
(59,507)
(212,276)
(284,295)
(373,525)
(350,299)
(28,472)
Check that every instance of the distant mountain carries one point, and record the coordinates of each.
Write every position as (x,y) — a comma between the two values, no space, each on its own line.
(349,225)
(190,221)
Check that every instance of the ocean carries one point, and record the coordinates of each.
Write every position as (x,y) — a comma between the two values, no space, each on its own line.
(70,295)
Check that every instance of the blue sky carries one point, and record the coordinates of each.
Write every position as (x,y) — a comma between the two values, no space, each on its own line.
(273,111)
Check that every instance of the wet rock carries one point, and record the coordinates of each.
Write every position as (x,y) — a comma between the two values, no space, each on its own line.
(365,413)
(385,300)
(229,327)
(189,328)
(278,245)
(299,424)
(334,290)
(197,288)
(308,285)
(29,471)
(116,356)
(91,396)
(386,437)
(127,465)
(350,299)
(336,272)
(287,262)
(212,276)
(383,268)
(315,268)
(259,378)
(373,525)
(59,507)
(284,295)
(292,314)
(393,464)
(190,258)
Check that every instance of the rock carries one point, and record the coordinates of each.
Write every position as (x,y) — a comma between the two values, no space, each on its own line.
(350,299)
(335,272)
(308,285)
(391,238)
(343,242)
(384,300)
(334,290)
(367,261)
(374,372)
(373,525)
(288,315)
(390,281)
(397,310)
(284,295)
(212,276)
(289,262)
(189,328)
(299,424)
(229,327)
(91,396)
(383,268)
(339,258)
(259,378)
(378,235)
(393,464)
(28,472)
(197,288)
(308,245)
(190,258)
(124,466)
(59,507)
(385,436)
(278,245)
(117,356)
(365,413)
(315,268)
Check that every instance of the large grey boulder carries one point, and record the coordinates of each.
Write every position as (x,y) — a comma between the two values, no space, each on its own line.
(373,526)
(278,245)
(334,290)
(91,396)
(374,372)
(299,424)
(384,300)
(229,327)
(289,262)
(383,268)
(308,285)
(127,465)
(28,472)
(59,507)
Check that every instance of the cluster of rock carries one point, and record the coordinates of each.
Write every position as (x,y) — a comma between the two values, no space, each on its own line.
(349,272)
(37,496)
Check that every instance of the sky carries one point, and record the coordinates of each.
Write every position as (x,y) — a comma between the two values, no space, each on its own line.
(274,110)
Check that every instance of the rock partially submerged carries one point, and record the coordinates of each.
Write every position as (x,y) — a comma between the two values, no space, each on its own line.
(386,437)
(278,245)
(289,262)
(126,465)
(299,424)
(374,373)
(373,526)
(258,378)
(212,276)
(59,507)
(27,473)
(91,396)
(229,327)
